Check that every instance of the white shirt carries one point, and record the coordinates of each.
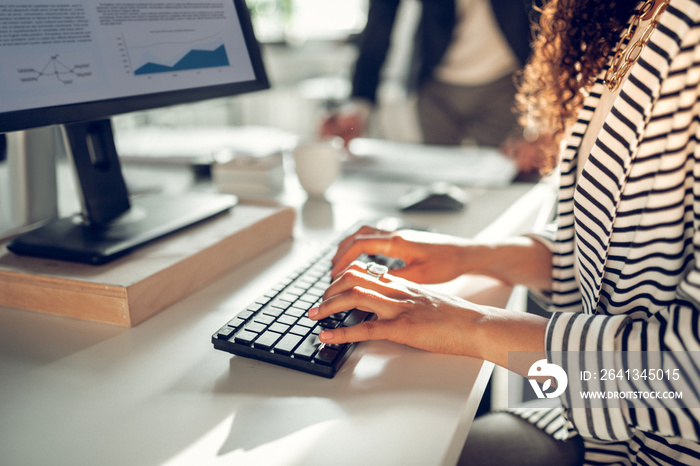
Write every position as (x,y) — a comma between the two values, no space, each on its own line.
(479,53)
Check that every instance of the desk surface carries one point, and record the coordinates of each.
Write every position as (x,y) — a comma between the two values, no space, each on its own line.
(74,392)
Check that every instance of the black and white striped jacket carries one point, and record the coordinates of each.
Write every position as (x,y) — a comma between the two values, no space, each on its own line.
(634,216)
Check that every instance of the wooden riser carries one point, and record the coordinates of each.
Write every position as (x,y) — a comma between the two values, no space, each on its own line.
(129,290)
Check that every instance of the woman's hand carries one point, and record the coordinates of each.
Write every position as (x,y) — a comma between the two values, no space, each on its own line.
(421,317)
(417,316)
(429,257)
(406,312)
(435,258)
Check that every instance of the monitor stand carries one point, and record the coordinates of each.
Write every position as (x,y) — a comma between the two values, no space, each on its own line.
(29,191)
(111,224)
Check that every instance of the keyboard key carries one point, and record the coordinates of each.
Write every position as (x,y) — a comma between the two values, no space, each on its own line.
(264,299)
(300,330)
(306,322)
(263,319)
(267,340)
(279,328)
(296,291)
(317,272)
(225,333)
(307,348)
(308,298)
(272,311)
(255,307)
(236,322)
(280,303)
(279,287)
(245,337)
(255,327)
(326,356)
(287,344)
(303,305)
(355,317)
(287,297)
(329,323)
(287,319)
(296,311)
(305,282)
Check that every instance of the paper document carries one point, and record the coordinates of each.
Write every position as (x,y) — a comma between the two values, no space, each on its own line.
(467,166)
(203,145)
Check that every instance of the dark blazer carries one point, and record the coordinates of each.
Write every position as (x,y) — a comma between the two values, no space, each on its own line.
(433,36)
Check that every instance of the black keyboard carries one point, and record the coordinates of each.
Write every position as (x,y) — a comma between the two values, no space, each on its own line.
(275,327)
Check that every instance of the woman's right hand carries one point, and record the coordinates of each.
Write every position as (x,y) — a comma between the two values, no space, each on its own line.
(429,257)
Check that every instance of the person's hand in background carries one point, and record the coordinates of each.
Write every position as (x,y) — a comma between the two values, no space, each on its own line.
(347,121)
(529,153)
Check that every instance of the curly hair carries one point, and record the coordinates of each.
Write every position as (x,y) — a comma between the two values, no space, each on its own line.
(573,41)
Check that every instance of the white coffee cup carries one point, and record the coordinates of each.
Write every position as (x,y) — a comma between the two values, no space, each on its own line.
(318,164)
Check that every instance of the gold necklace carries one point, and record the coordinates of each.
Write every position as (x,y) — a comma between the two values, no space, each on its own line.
(625,53)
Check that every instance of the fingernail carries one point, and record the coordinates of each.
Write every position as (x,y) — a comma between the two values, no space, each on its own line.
(325,335)
(313,312)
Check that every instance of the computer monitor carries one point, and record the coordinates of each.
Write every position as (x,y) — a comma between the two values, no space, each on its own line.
(77,63)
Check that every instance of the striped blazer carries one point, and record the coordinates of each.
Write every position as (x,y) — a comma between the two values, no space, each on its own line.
(634,217)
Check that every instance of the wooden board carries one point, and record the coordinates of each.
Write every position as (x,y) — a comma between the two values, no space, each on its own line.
(129,290)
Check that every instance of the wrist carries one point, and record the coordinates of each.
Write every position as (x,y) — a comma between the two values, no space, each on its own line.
(498,332)
(514,261)
(479,258)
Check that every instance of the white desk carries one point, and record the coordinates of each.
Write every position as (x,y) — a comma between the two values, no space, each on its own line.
(79,393)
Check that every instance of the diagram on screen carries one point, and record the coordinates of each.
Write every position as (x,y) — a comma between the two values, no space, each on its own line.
(65,70)
(173,56)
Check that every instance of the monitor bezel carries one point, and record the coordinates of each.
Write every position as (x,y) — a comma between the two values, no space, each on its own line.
(18,120)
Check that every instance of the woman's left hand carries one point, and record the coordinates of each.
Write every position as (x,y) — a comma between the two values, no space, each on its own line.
(406,312)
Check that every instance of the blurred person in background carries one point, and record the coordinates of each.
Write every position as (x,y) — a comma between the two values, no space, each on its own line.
(465,55)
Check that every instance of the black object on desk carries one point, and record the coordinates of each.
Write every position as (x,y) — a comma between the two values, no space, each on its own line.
(434,197)
(275,327)
(150,217)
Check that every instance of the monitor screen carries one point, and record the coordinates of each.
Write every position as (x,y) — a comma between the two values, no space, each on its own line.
(68,61)
(76,63)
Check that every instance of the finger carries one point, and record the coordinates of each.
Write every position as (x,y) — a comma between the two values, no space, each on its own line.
(345,243)
(353,276)
(356,276)
(353,267)
(368,330)
(372,245)
(359,298)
